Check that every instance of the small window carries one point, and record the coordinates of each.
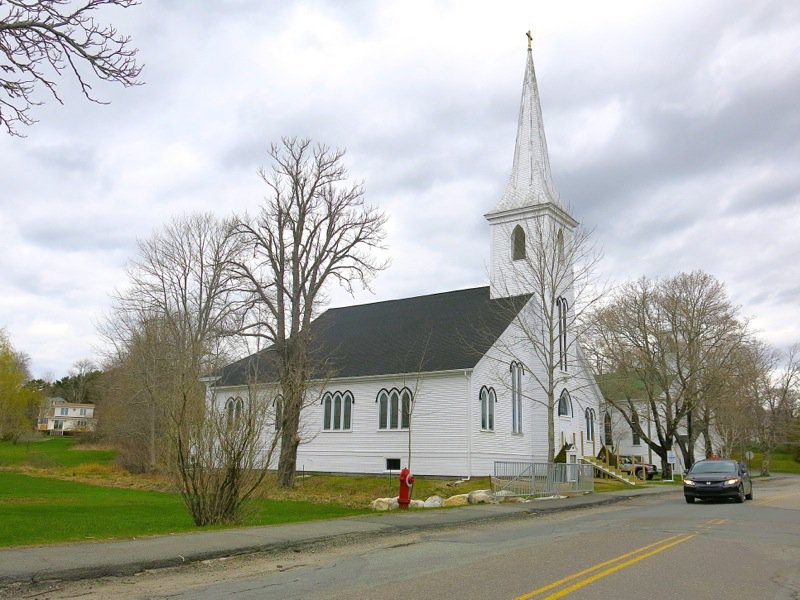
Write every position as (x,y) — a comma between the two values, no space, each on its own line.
(383,409)
(562,306)
(590,424)
(518,242)
(337,410)
(64,412)
(326,420)
(394,408)
(233,411)
(564,404)
(488,399)
(516,397)
(392,464)
(405,406)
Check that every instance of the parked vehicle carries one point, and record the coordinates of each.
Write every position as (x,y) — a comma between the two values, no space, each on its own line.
(712,479)
(632,465)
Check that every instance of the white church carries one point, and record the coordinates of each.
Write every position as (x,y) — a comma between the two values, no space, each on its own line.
(453,371)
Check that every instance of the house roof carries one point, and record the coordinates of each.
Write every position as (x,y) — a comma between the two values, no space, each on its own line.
(439,332)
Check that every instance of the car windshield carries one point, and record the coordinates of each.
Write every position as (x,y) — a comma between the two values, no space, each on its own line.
(714,466)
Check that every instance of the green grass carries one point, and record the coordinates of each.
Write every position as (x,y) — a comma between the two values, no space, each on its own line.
(779,462)
(47,509)
(42,510)
(50,453)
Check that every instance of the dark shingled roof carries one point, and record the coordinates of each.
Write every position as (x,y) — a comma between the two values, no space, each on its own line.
(440,332)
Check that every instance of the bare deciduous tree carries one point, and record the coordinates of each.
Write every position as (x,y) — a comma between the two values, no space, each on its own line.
(40,40)
(315,228)
(169,327)
(661,347)
(223,457)
(776,389)
(733,410)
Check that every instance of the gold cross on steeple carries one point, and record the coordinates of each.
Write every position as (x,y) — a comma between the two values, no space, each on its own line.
(530,39)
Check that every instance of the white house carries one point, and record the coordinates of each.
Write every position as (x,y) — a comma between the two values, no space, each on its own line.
(459,358)
(620,438)
(59,417)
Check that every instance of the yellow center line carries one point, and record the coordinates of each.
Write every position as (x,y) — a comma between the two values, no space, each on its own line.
(638,554)
(615,568)
(555,584)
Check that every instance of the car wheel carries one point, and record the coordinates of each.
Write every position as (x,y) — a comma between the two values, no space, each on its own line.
(750,495)
(641,474)
(689,499)
(740,495)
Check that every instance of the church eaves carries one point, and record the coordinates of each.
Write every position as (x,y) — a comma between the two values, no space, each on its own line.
(530,182)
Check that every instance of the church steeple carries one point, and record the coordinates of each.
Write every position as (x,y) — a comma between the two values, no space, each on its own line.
(529,216)
(531,182)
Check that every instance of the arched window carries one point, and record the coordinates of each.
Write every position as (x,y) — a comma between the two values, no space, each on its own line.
(277,405)
(337,410)
(564,404)
(405,405)
(233,411)
(488,399)
(518,243)
(327,401)
(516,397)
(560,245)
(383,409)
(394,408)
(347,410)
(607,431)
(590,424)
(562,306)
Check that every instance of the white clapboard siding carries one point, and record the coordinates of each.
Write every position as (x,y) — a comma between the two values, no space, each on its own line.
(446,434)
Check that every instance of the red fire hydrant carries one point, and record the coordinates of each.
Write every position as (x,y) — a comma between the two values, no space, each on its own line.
(406,483)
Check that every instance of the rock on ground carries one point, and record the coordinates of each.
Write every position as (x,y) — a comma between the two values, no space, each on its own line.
(434,502)
(481,497)
(457,500)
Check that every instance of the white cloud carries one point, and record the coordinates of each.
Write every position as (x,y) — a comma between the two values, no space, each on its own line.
(673,129)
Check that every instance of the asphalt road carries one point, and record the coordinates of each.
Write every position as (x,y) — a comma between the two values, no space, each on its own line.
(651,547)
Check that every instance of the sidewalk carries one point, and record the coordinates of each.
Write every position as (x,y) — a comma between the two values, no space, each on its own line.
(125,557)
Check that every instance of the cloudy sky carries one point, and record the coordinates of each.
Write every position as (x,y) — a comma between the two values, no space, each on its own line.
(673,129)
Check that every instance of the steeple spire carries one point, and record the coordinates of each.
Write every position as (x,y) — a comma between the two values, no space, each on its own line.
(530,182)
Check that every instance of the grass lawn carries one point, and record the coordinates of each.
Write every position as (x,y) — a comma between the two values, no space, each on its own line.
(778,463)
(360,490)
(53,490)
(43,510)
(52,453)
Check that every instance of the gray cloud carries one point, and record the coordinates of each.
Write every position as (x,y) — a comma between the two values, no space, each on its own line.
(673,132)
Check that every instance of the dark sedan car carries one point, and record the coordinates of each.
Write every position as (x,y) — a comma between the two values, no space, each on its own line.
(711,479)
